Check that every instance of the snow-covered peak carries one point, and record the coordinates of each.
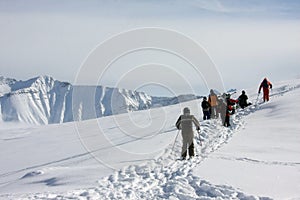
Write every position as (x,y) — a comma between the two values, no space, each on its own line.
(40,100)
(44,100)
(43,80)
(37,82)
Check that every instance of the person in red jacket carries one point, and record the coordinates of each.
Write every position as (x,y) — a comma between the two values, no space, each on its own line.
(229,109)
(266,85)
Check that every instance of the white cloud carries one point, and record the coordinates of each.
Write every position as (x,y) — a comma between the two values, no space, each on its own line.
(213,5)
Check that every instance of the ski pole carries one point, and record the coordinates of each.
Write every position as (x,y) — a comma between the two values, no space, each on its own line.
(199,137)
(175,141)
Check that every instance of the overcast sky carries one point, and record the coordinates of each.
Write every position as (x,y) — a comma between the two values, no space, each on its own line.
(247,40)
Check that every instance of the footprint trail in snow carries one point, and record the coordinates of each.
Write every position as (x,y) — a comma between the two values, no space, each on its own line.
(166,178)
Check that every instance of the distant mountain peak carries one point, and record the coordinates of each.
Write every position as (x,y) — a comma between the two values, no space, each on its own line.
(44,79)
(44,100)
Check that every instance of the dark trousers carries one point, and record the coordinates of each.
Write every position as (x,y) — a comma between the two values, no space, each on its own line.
(244,105)
(266,94)
(191,151)
(227,123)
(206,115)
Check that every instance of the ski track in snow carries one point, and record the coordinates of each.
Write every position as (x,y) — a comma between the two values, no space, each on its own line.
(260,161)
(166,178)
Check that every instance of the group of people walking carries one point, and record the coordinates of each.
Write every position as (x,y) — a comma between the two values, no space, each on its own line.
(214,107)
(222,106)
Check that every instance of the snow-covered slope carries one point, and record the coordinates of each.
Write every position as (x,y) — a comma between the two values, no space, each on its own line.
(107,101)
(130,156)
(264,157)
(43,100)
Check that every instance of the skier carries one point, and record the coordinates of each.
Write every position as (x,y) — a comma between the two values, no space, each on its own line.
(242,100)
(265,84)
(213,101)
(229,109)
(205,108)
(185,123)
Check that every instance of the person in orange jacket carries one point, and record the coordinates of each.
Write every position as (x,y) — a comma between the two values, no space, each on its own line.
(266,85)
(213,102)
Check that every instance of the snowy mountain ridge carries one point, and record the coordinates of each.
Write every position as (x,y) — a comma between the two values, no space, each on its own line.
(44,100)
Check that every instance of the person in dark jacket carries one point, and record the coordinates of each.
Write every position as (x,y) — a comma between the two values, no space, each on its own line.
(243,100)
(266,85)
(185,123)
(205,108)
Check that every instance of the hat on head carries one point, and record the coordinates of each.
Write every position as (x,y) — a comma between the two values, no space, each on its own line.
(186,110)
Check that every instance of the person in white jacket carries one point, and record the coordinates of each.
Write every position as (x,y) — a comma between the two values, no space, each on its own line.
(185,123)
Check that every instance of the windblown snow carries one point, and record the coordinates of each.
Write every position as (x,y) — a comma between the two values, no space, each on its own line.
(131,155)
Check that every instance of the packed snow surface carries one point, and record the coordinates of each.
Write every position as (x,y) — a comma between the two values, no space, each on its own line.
(131,155)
